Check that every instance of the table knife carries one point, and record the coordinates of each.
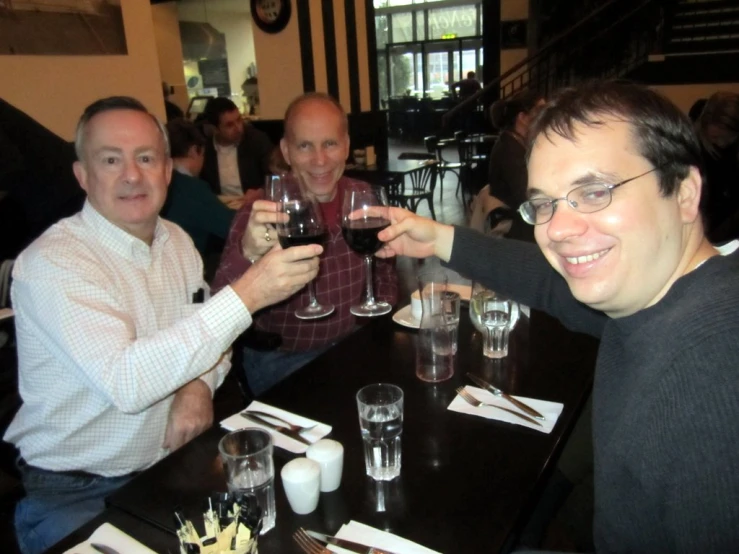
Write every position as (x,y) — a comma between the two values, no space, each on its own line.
(282,430)
(104,549)
(349,545)
(497,392)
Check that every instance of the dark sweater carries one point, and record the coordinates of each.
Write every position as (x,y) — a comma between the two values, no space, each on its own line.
(193,206)
(665,398)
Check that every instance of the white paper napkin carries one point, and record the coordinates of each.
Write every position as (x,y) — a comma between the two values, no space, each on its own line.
(364,534)
(550,410)
(113,537)
(318,432)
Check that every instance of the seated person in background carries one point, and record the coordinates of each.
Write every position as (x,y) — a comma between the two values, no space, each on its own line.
(316,145)
(467,87)
(614,192)
(718,131)
(190,202)
(120,347)
(507,175)
(172,110)
(237,159)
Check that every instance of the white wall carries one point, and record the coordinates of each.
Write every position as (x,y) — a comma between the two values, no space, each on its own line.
(169,50)
(54,90)
(233,19)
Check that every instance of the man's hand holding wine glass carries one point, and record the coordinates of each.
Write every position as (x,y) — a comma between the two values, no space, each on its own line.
(277,275)
(260,234)
(415,236)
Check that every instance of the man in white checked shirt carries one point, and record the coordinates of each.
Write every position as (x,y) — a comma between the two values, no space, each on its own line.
(118,357)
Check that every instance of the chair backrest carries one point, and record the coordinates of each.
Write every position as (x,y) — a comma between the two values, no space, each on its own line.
(423,180)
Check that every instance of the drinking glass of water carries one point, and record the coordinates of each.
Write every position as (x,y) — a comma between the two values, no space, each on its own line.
(381,422)
(494,316)
(247,460)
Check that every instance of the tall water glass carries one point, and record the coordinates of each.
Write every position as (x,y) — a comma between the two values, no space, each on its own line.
(247,460)
(491,313)
(434,347)
(380,409)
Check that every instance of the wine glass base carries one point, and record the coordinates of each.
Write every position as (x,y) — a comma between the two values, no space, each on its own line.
(371,310)
(314,312)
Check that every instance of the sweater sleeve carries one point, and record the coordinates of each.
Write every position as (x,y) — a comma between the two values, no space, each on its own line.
(519,270)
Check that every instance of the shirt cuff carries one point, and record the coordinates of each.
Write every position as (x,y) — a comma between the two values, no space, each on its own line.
(225,316)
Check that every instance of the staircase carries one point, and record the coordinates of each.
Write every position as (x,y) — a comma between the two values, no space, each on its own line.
(699,44)
(701,27)
(650,41)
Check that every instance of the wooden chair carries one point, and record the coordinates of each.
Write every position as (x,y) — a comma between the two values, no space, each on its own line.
(435,147)
(418,185)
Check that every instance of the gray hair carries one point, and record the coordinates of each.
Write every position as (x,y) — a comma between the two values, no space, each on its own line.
(109,104)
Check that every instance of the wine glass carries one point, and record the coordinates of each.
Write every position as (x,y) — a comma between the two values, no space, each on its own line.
(304,225)
(360,225)
(273,187)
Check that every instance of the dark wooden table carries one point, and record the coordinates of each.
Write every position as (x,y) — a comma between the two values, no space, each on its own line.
(467,483)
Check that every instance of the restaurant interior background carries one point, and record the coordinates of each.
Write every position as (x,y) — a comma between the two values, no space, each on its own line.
(414,48)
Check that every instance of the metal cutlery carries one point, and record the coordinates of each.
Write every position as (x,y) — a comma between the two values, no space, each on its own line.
(104,549)
(467,397)
(308,544)
(280,429)
(497,392)
(291,426)
(343,543)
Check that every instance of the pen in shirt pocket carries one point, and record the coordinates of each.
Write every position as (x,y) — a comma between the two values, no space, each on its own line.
(198,297)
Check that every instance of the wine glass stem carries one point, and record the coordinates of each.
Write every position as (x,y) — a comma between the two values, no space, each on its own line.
(368,274)
(312,294)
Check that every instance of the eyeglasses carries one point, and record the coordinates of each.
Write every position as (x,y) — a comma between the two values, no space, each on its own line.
(584,199)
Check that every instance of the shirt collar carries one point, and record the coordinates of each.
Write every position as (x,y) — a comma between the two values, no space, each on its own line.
(182,169)
(122,242)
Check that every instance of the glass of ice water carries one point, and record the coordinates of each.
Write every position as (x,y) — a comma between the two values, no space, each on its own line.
(250,469)
(381,422)
(494,316)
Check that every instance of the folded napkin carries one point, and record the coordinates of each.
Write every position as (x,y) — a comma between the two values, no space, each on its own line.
(550,410)
(364,534)
(113,537)
(318,432)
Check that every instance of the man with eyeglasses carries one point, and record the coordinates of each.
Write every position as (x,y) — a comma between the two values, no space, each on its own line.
(614,193)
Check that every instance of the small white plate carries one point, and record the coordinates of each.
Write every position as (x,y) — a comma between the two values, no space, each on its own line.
(404,317)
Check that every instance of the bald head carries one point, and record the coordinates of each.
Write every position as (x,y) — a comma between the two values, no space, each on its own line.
(305,103)
(316,143)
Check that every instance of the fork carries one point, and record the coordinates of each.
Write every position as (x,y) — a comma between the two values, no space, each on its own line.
(308,544)
(467,397)
(291,426)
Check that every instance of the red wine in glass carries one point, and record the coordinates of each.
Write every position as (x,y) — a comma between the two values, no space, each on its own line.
(359,226)
(361,234)
(304,226)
